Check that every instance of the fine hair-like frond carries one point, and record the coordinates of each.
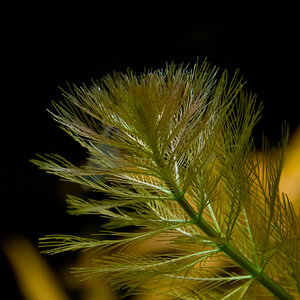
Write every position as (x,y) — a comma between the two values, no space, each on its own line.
(172,151)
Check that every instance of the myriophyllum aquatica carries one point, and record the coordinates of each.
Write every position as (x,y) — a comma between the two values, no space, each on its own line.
(173,153)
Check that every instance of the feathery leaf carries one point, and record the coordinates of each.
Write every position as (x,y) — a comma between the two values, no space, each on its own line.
(173,153)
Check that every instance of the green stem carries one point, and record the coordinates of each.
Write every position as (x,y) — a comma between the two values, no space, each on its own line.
(226,248)
(235,255)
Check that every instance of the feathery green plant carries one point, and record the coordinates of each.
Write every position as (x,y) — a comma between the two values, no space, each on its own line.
(173,153)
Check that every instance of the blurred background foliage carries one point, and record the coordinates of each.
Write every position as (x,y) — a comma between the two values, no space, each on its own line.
(46,45)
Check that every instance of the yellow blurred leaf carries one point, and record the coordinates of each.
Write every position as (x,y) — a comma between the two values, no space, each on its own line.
(35,278)
(290,180)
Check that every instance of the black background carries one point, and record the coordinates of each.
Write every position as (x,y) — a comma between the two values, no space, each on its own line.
(46,45)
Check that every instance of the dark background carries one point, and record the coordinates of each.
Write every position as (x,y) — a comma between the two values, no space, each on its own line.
(46,45)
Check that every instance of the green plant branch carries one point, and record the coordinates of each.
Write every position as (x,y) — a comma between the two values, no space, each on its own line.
(171,147)
(235,255)
(225,247)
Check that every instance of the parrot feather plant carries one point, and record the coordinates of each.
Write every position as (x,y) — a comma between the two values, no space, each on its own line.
(172,151)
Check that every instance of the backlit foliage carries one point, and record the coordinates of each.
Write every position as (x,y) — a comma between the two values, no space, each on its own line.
(172,152)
